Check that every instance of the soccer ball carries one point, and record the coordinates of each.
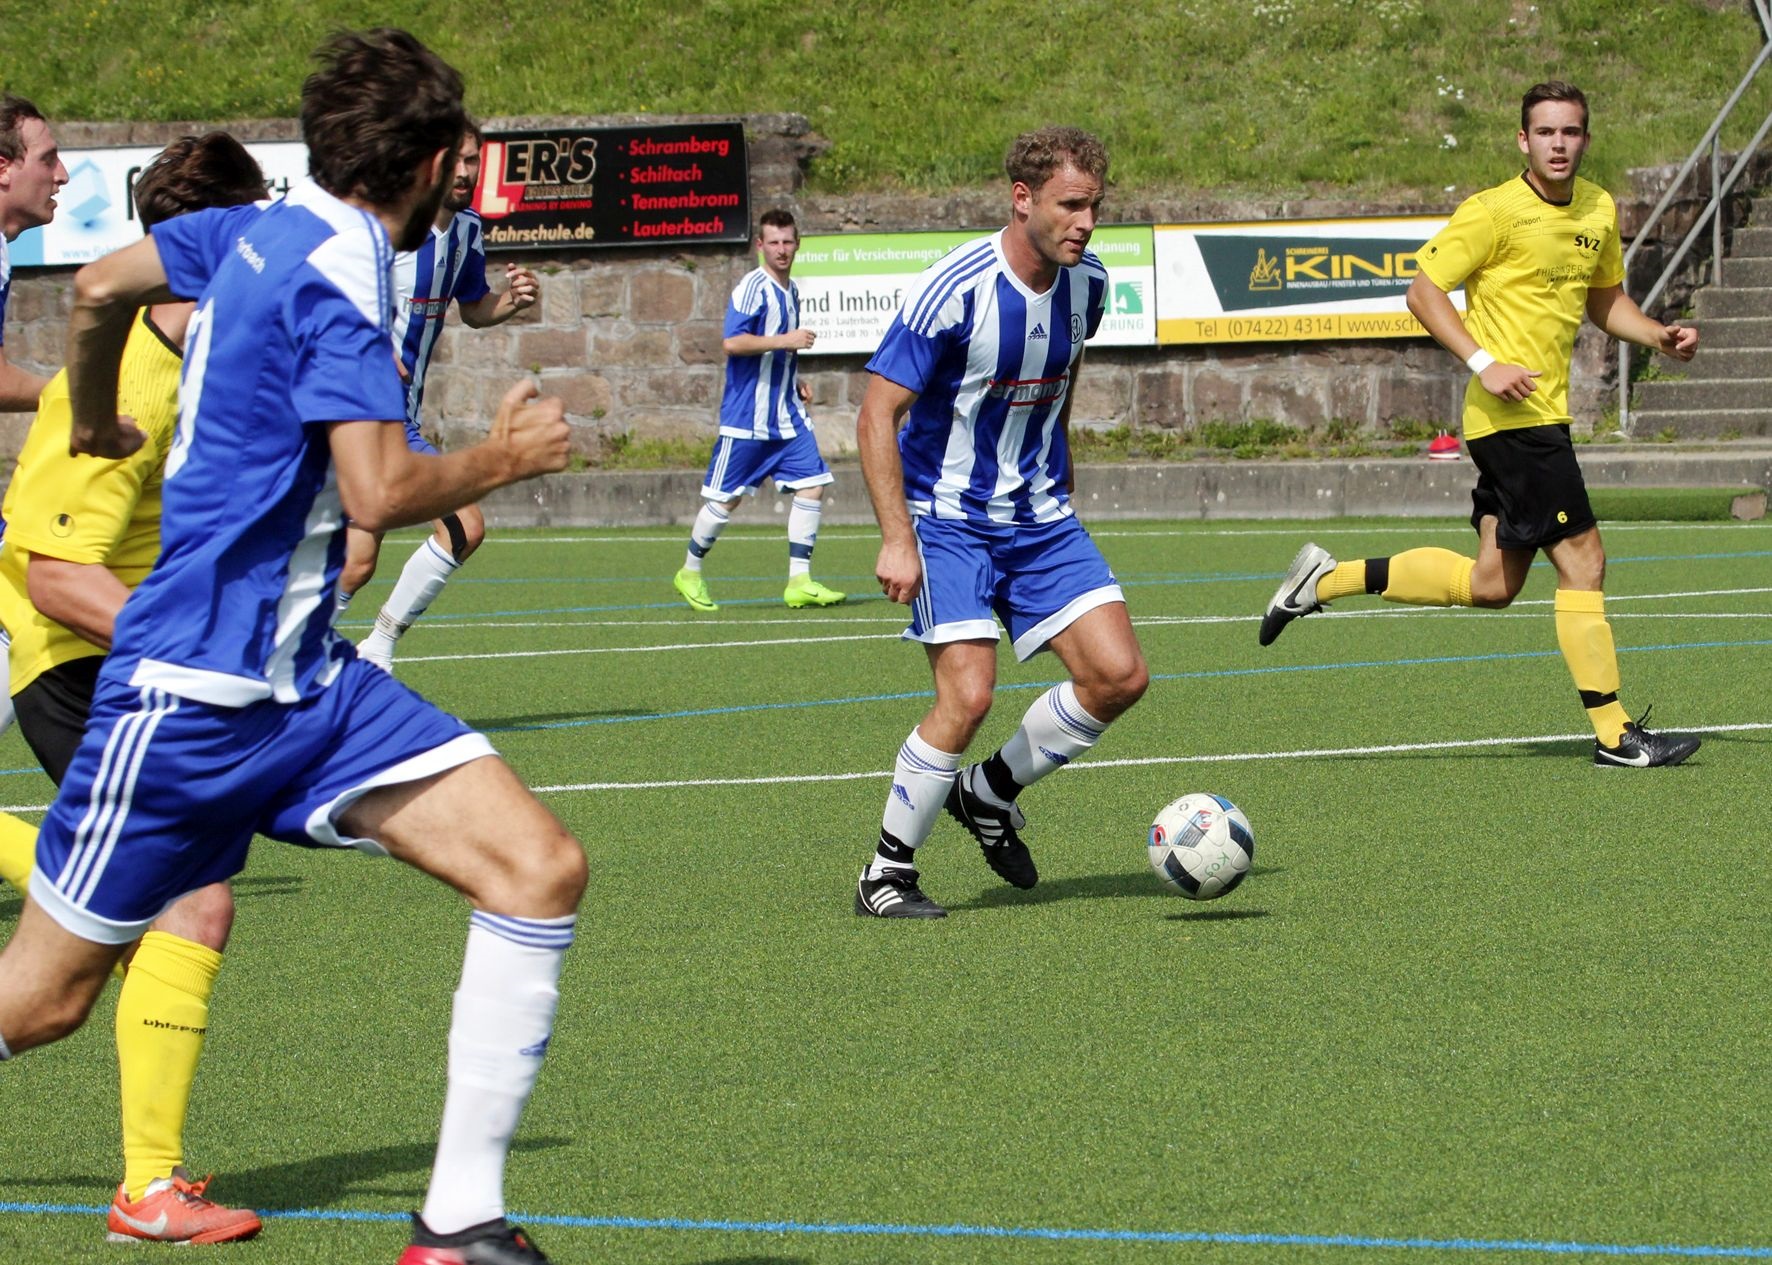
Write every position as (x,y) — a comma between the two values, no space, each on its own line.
(1202,846)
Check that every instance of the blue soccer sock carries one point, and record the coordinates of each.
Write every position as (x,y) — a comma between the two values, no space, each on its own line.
(504,1017)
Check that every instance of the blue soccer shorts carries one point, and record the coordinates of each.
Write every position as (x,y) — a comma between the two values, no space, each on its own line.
(415,439)
(739,466)
(165,794)
(1037,580)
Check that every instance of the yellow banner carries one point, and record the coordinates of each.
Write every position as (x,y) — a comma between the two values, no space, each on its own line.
(1258,328)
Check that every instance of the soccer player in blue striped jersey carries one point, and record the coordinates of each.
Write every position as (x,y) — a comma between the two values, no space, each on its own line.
(972,493)
(31,174)
(449,267)
(765,430)
(228,706)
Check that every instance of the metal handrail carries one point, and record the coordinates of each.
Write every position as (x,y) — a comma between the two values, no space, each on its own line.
(1711,216)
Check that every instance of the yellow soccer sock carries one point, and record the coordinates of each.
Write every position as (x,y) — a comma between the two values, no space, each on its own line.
(1430,577)
(18,850)
(162,1015)
(1347,579)
(1585,638)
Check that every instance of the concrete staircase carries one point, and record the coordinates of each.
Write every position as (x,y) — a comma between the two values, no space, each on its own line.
(1725,392)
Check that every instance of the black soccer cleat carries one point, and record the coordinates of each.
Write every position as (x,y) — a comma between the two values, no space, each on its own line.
(1640,748)
(995,829)
(489,1243)
(1297,595)
(894,894)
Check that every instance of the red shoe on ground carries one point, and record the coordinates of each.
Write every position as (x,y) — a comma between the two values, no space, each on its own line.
(1443,447)
(173,1210)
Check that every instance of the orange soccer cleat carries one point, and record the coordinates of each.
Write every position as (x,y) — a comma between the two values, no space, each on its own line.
(173,1210)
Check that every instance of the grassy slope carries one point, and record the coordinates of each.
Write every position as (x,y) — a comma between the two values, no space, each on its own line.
(1255,97)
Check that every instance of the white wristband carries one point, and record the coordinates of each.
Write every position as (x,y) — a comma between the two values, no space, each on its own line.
(1479,361)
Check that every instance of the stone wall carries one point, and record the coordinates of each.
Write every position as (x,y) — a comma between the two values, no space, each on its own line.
(630,338)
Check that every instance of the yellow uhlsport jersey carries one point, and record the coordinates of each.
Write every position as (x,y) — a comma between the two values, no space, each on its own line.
(1526,266)
(86,509)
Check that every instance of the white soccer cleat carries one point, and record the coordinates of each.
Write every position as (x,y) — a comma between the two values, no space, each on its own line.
(1297,594)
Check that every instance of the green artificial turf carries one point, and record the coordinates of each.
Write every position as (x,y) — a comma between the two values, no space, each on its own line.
(1472,995)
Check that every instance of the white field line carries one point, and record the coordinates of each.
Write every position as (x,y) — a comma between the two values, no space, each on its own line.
(1229,757)
(1396,748)
(1297,531)
(1153,621)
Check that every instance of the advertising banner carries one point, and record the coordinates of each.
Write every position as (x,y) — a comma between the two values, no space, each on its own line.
(615,186)
(1289,279)
(852,284)
(95,214)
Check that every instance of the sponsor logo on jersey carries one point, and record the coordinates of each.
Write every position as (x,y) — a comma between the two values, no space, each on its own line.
(1039,333)
(1021,392)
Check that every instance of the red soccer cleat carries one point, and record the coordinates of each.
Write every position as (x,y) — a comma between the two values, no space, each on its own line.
(173,1210)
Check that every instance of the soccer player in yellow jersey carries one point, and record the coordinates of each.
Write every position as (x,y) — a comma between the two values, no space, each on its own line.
(1533,255)
(83,533)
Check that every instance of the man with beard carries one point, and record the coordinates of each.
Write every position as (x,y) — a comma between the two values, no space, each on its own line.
(451,265)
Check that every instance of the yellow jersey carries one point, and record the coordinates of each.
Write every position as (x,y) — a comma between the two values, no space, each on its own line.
(1526,266)
(86,509)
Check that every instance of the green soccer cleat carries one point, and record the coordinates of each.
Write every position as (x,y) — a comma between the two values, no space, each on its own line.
(694,590)
(803,590)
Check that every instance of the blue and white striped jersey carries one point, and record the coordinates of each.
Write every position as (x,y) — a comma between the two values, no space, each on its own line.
(990,362)
(291,333)
(450,265)
(762,399)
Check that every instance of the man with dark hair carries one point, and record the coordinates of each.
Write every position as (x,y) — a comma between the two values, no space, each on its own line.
(31,173)
(228,705)
(1534,255)
(449,266)
(976,524)
(84,533)
(765,430)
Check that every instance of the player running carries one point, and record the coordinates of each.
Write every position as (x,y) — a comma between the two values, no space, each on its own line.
(84,533)
(449,266)
(973,500)
(1533,256)
(227,705)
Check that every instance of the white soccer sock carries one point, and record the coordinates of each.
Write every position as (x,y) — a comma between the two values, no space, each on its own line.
(6,713)
(421,579)
(803,518)
(1055,731)
(921,777)
(709,523)
(4,1052)
(341,602)
(504,1015)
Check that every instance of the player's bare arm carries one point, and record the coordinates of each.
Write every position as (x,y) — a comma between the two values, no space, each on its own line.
(384,484)
(1432,306)
(83,597)
(19,388)
(758,344)
(107,293)
(883,409)
(1616,312)
(522,289)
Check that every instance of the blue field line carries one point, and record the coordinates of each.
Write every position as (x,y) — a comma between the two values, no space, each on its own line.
(900,1230)
(1010,687)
